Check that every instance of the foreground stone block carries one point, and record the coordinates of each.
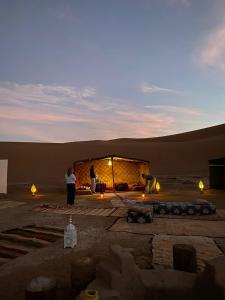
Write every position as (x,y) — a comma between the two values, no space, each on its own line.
(184,258)
(82,273)
(168,284)
(210,285)
(120,273)
(41,288)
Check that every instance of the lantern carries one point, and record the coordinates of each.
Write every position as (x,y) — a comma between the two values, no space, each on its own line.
(143,195)
(157,187)
(91,295)
(102,195)
(33,190)
(201,185)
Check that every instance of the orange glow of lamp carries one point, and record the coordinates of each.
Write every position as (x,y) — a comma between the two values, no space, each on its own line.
(157,187)
(201,186)
(33,190)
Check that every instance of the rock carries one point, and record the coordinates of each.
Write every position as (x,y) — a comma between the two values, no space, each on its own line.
(168,284)
(41,288)
(210,284)
(82,273)
(143,262)
(184,258)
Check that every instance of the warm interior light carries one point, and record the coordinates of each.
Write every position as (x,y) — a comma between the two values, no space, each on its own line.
(33,190)
(143,195)
(157,186)
(110,162)
(201,185)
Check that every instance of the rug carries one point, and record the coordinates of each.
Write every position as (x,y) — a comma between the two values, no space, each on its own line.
(184,227)
(9,204)
(162,250)
(103,212)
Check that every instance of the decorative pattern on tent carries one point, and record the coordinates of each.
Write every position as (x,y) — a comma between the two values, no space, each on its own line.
(124,170)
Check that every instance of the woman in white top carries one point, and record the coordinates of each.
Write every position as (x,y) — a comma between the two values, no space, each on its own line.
(71,186)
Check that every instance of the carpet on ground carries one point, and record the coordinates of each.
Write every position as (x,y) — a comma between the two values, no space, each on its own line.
(184,227)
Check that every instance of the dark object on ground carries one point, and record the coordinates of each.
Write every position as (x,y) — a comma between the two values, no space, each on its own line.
(184,258)
(100,187)
(138,214)
(138,187)
(41,288)
(122,186)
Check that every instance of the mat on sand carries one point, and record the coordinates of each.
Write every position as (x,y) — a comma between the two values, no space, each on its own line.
(182,227)
(162,250)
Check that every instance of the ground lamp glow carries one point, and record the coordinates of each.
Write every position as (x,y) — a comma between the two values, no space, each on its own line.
(33,190)
(143,195)
(102,195)
(157,187)
(201,186)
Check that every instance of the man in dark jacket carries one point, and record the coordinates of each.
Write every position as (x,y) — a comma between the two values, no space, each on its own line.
(93,179)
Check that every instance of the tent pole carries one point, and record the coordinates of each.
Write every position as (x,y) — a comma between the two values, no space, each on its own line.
(113,174)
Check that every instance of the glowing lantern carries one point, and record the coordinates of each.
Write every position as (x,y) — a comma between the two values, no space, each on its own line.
(102,195)
(33,190)
(157,187)
(201,186)
(143,195)
(110,162)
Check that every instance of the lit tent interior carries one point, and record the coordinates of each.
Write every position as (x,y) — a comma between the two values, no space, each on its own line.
(116,173)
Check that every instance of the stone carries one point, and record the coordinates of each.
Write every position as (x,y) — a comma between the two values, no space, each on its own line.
(168,284)
(210,284)
(184,258)
(41,288)
(121,273)
(143,262)
(82,273)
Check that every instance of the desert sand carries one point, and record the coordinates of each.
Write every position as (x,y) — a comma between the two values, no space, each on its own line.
(185,154)
(179,160)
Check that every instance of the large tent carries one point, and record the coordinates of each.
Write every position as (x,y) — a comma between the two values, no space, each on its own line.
(112,170)
(217,173)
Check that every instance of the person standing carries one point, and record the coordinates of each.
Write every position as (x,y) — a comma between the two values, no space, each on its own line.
(70,186)
(93,179)
(150,182)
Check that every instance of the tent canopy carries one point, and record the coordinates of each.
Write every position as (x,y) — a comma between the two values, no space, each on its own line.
(217,173)
(111,170)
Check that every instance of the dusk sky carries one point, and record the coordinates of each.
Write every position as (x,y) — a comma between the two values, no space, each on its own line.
(104,69)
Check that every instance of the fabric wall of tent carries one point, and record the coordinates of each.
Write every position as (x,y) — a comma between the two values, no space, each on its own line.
(112,170)
(217,173)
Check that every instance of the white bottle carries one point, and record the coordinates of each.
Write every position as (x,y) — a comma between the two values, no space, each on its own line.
(70,235)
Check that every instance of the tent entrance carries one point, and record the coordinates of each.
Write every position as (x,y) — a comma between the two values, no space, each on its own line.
(112,171)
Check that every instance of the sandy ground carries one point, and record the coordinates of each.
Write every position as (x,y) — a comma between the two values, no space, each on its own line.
(93,237)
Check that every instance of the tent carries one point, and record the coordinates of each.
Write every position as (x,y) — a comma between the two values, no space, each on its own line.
(217,173)
(112,170)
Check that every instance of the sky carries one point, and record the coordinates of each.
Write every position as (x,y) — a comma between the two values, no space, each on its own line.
(75,70)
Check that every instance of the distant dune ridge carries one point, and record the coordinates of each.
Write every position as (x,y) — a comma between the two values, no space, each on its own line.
(185,154)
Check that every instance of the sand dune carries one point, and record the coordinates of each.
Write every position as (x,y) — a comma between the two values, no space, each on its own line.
(184,154)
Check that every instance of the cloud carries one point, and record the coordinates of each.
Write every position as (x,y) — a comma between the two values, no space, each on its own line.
(212,53)
(175,109)
(55,113)
(148,88)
